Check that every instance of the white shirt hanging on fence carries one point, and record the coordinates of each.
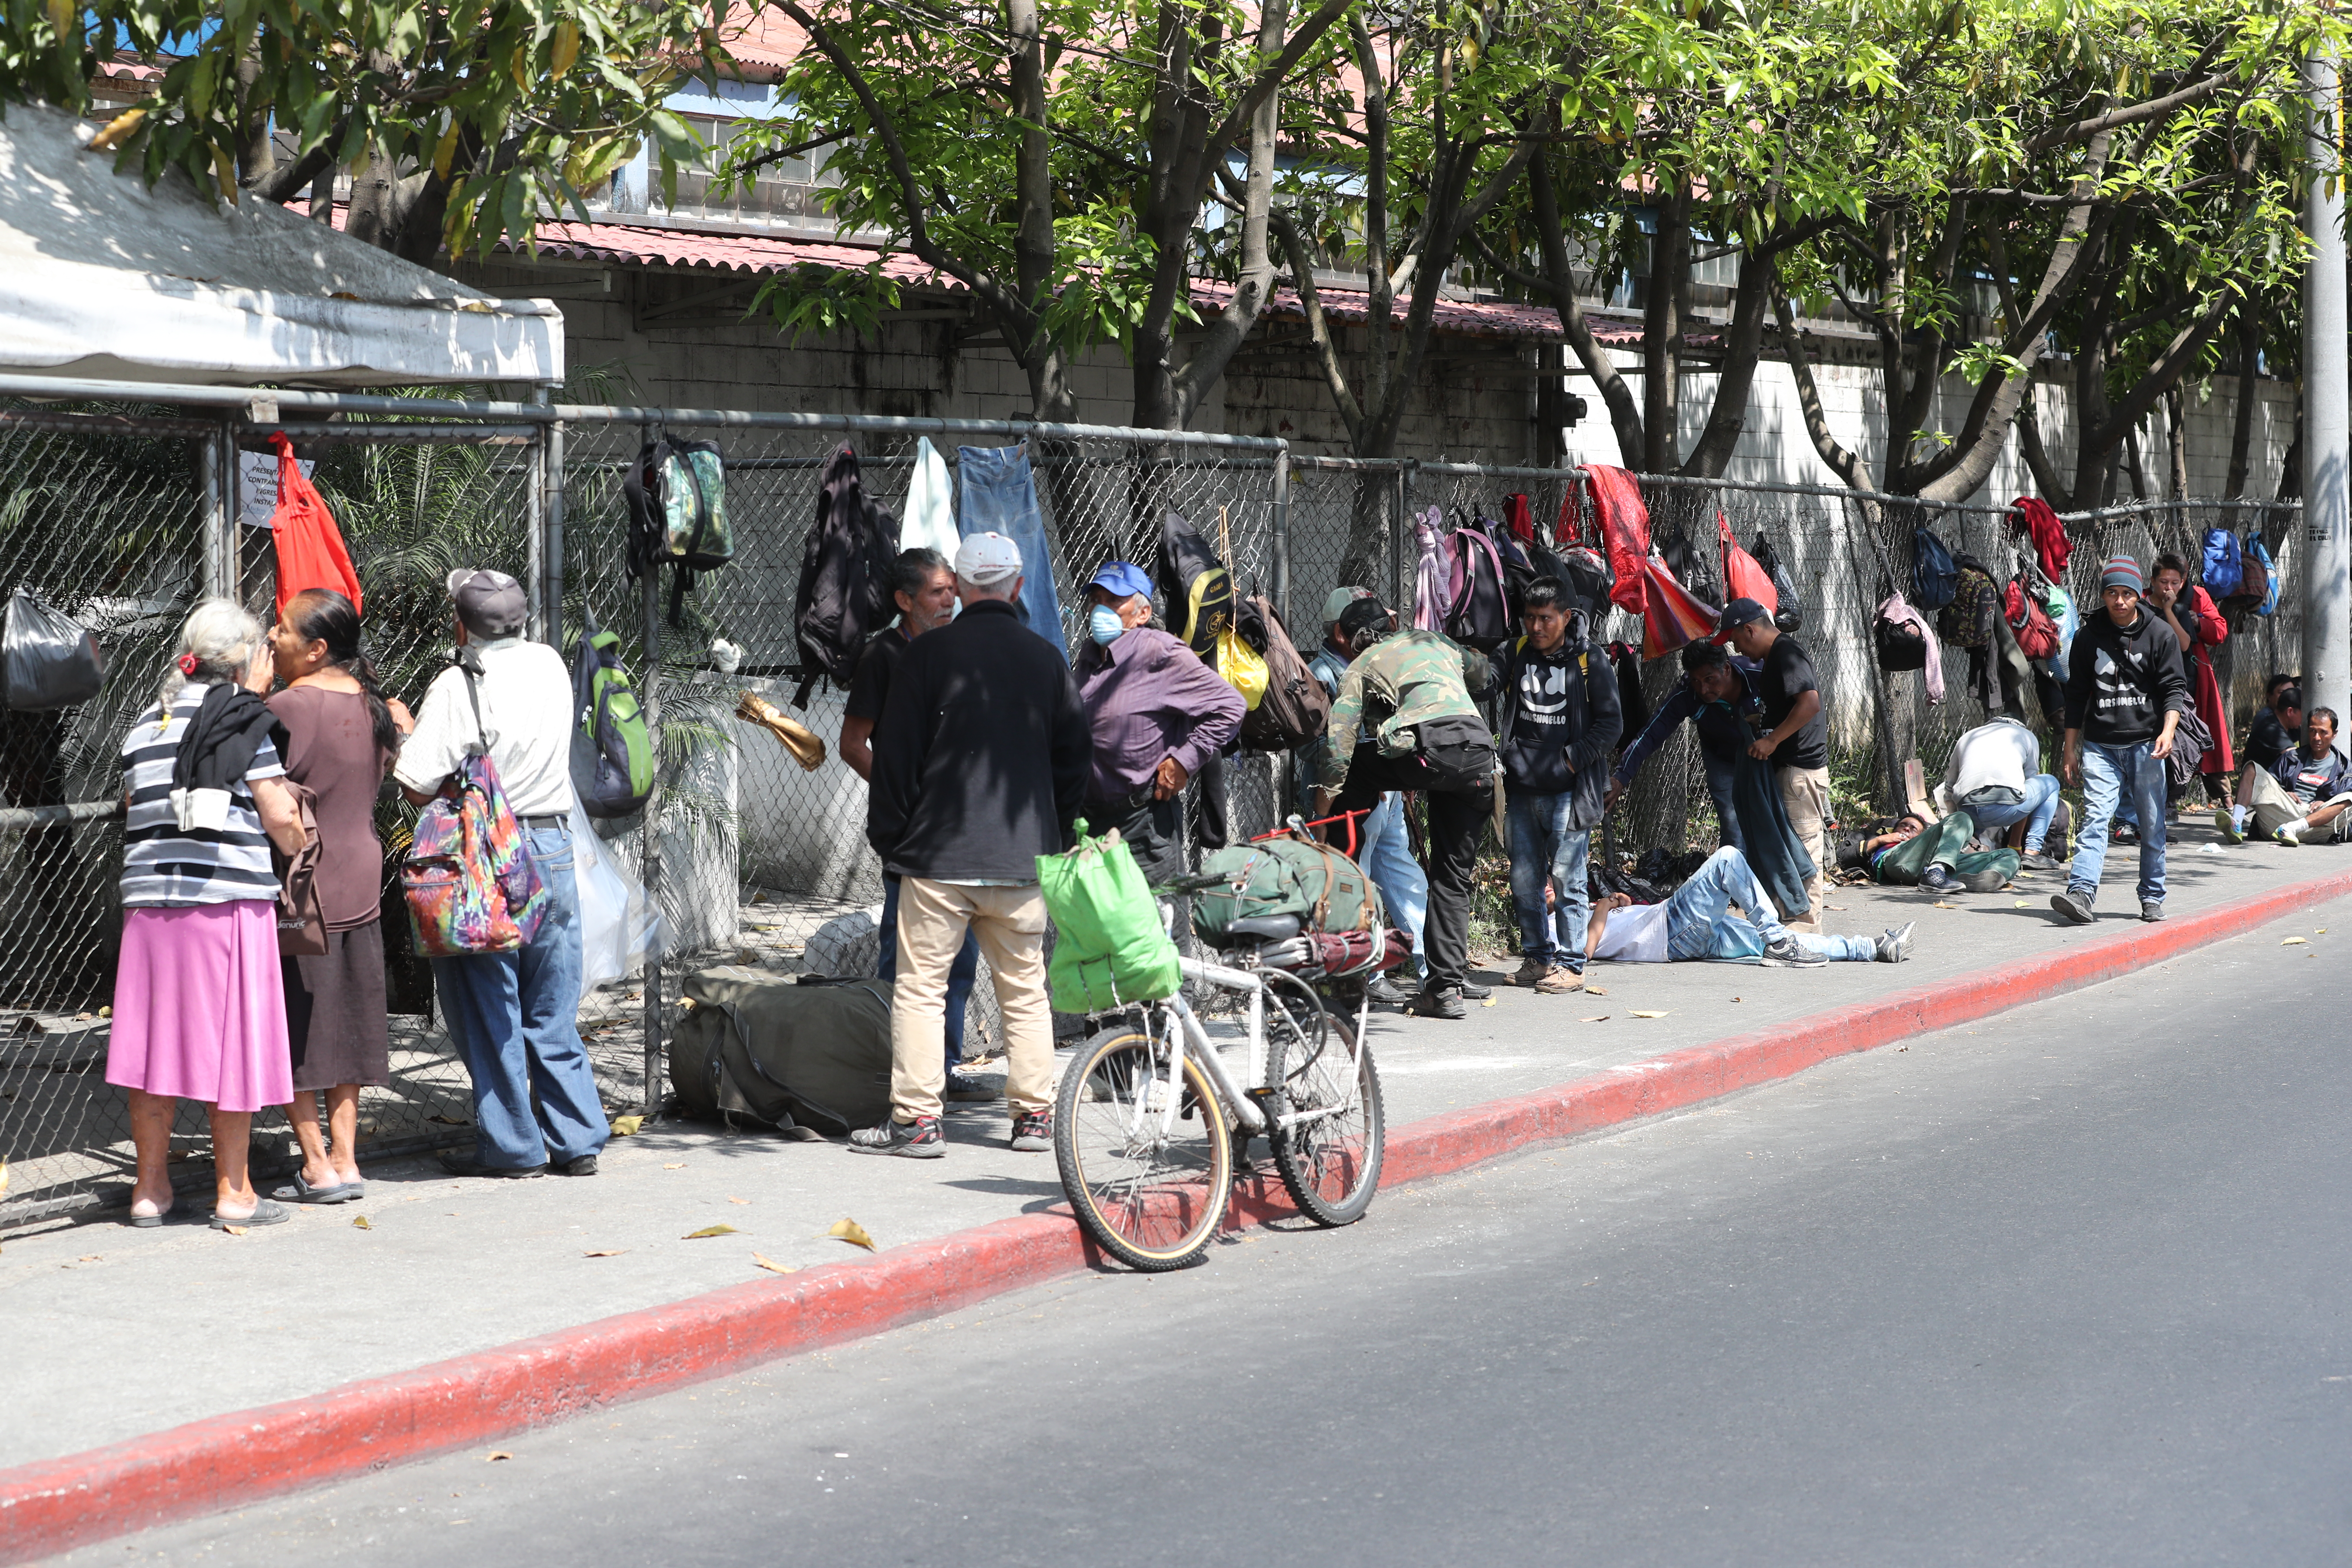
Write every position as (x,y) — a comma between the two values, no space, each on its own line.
(527,712)
(929,523)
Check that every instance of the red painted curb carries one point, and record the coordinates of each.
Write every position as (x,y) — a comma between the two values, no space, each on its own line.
(228,1461)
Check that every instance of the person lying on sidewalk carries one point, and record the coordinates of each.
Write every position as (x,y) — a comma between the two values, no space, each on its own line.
(1697,923)
(1995,776)
(2303,800)
(1935,857)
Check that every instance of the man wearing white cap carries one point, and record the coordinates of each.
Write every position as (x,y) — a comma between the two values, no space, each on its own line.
(981,760)
(514,1016)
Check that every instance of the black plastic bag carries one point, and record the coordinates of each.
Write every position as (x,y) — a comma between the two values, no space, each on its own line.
(47,660)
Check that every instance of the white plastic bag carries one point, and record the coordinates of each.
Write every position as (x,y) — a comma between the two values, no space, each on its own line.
(619,926)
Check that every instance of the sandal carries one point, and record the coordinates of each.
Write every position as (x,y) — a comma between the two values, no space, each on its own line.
(161,1217)
(302,1192)
(264,1213)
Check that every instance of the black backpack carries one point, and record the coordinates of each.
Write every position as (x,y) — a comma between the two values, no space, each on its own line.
(845,593)
(1935,576)
(1480,616)
(676,493)
(1692,569)
(1194,586)
(1901,644)
(1295,711)
(1791,615)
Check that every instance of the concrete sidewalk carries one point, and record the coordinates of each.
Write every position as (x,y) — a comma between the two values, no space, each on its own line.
(116,1332)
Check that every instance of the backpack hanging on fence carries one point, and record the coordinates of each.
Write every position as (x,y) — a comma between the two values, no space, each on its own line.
(1965,620)
(2037,634)
(1934,576)
(1194,585)
(1478,607)
(1238,661)
(468,878)
(303,535)
(1519,569)
(1900,643)
(1693,568)
(844,590)
(605,702)
(2222,566)
(2257,591)
(1295,711)
(676,493)
(1791,615)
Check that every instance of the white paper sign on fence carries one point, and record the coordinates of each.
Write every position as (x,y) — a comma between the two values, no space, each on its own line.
(257,485)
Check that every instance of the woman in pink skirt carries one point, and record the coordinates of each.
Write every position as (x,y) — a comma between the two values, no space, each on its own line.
(199,1011)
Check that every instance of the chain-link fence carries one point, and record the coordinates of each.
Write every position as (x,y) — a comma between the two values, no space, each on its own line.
(122,518)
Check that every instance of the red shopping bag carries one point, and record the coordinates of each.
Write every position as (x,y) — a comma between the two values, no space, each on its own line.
(1742,577)
(311,552)
(1671,615)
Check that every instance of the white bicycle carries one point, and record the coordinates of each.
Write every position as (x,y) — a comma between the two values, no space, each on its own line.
(1147,1120)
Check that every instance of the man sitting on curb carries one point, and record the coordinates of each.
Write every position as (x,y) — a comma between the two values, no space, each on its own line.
(1935,857)
(1697,923)
(1995,777)
(2303,803)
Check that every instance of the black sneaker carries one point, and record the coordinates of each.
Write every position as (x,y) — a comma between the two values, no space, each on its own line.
(1444,1002)
(1788,953)
(459,1164)
(971,1088)
(1895,943)
(916,1139)
(1474,991)
(1937,879)
(2034,860)
(586,1165)
(1388,993)
(2074,906)
(1032,1131)
(2152,911)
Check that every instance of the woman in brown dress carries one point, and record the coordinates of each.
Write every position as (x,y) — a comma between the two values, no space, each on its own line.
(342,738)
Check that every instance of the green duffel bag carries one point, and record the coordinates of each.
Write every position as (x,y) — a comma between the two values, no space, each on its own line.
(764,1047)
(1288,875)
(1109,948)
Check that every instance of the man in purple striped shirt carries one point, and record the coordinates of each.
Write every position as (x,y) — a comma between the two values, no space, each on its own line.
(1157,713)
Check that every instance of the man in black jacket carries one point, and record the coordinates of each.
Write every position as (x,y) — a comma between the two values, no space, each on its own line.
(980,762)
(2125,690)
(1559,722)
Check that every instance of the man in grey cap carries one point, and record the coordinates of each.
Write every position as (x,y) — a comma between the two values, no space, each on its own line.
(980,762)
(513,1016)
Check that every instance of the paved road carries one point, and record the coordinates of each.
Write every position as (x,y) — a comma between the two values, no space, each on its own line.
(2069,1288)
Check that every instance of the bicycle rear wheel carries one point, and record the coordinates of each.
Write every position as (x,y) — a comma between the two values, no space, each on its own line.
(1330,1162)
(1151,1196)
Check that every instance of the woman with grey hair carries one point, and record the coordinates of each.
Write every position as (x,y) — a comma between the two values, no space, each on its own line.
(199,1009)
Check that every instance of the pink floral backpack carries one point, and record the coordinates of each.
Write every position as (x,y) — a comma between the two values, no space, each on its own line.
(468,877)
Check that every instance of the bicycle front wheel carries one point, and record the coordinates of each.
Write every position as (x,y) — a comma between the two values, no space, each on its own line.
(1150,1183)
(1330,1156)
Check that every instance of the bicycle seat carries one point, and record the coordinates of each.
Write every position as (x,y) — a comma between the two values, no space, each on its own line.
(1260,928)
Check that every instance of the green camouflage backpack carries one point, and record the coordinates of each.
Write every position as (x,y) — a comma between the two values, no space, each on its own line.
(1286,876)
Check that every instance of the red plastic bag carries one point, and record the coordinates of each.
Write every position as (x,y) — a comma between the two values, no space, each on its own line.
(311,552)
(1742,577)
(1624,532)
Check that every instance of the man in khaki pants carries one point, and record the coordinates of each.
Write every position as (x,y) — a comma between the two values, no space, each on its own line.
(1796,738)
(981,759)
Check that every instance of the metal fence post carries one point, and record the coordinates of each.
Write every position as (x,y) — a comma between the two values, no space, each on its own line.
(215,466)
(650,602)
(1403,586)
(1282,534)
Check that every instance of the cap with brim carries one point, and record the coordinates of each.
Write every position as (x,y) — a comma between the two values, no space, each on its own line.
(1336,603)
(985,560)
(1122,580)
(1736,614)
(1366,611)
(2121,572)
(490,603)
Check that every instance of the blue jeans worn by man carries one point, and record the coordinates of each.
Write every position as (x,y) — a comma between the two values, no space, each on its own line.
(1546,852)
(961,976)
(1385,853)
(2111,775)
(514,1018)
(1700,924)
(2037,810)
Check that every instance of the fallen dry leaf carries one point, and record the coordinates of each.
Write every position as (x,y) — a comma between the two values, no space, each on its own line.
(501,1454)
(850,1231)
(90,1258)
(2024,904)
(1942,905)
(1602,1019)
(1642,1014)
(2296,941)
(739,1199)
(771,1265)
(608,1252)
(360,1221)
(709,1230)
(624,1126)
(680,1165)
(1835,909)
(1596,991)
(233,1229)
(1487,1003)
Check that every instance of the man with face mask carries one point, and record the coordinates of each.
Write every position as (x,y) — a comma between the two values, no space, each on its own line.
(1156,713)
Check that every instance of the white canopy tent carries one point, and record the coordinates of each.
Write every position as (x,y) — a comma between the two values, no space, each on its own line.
(103,276)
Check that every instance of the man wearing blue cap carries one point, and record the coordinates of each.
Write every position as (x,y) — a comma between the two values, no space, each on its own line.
(1157,714)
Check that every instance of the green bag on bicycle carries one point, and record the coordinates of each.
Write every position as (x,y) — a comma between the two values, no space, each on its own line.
(1286,876)
(1109,948)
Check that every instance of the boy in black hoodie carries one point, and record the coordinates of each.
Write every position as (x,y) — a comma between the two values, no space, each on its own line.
(2125,690)
(1559,722)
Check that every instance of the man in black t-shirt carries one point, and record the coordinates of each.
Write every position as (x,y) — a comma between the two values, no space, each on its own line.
(924,585)
(1796,738)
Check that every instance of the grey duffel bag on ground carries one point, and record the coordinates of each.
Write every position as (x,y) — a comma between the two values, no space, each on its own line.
(764,1047)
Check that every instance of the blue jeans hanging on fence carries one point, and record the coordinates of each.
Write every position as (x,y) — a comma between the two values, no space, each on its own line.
(999,496)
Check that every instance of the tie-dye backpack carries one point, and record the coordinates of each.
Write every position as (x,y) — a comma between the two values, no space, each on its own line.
(467,876)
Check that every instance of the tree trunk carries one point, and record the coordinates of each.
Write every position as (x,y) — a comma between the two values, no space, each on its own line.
(2177,416)
(2242,424)
(1662,334)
